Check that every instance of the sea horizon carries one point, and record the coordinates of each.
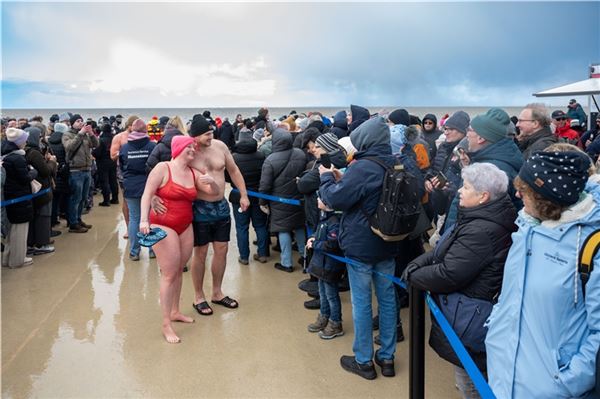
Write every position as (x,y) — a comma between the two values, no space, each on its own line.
(186,113)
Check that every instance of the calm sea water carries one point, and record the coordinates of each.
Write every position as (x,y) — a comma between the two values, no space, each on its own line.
(275,112)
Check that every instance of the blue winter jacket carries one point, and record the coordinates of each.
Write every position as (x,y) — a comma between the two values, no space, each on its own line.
(132,158)
(326,240)
(543,334)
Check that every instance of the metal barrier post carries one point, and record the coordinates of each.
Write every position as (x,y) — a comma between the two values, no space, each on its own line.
(417,344)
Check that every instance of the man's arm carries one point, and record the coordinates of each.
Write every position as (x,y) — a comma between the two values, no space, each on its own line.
(115,147)
(237,179)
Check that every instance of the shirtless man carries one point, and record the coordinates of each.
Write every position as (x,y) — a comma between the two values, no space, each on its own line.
(212,222)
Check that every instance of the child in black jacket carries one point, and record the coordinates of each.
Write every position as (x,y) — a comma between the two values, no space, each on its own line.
(329,272)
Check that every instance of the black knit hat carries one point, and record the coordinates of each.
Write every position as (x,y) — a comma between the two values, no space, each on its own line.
(199,126)
(399,117)
(74,118)
(557,176)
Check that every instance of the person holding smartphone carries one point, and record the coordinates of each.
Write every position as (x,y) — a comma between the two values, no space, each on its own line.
(78,142)
(455,130)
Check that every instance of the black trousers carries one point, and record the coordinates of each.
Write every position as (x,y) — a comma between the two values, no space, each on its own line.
(107,177)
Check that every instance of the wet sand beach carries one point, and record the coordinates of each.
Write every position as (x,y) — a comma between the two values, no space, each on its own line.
(84,322)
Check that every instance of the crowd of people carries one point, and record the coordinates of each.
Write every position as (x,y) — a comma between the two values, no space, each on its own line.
(502,207)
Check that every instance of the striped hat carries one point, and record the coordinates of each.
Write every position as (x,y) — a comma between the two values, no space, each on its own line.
(329,142)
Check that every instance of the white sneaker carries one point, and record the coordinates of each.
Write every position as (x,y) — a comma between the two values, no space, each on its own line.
(44,249)
(28,262)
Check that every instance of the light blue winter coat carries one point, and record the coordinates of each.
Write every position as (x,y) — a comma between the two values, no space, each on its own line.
(543,337)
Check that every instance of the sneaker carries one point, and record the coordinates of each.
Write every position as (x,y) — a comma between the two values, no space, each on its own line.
(261,259)
(28,261)
(318,325)
(243,261)
(313,304)
(77,228)
(134,257)
(399,336)
(333,329)
(87,226)
(387,366)
(313,294)
(44,249)
(281,267)
(366,370)
(30,251)
(104,203)
(55,233)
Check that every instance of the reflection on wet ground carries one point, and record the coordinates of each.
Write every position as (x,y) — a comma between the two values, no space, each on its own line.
(85,322)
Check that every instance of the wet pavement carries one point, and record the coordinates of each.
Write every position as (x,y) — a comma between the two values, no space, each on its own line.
(84,322)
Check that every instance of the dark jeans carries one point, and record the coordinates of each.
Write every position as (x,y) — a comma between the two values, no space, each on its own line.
(60,204)
(107,178)
(79,182)
(329,297)
(242,224)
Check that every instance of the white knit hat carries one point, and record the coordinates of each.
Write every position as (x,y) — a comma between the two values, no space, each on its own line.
(17,136)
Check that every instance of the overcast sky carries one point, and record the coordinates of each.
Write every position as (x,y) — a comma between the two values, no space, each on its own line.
(292,54)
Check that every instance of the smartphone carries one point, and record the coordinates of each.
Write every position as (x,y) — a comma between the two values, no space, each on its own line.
(441,180)
(325,161)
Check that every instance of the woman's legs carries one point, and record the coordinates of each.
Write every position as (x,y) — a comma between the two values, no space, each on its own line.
(186,246)
(285,242)
(168,256)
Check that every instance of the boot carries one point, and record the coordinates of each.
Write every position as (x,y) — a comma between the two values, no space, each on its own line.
(332,330)
(318,325)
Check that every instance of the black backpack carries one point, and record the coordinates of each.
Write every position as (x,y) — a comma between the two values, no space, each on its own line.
(398,207)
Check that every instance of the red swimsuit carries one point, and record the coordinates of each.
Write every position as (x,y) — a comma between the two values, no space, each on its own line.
(178,200)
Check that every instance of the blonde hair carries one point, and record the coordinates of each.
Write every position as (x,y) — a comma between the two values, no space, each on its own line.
(130,121)
(178,124)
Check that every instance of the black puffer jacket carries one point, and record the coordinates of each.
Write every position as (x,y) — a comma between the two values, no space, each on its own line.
(250,162)
(278,178)
(226,134)
(17,184)
(61,180)
(538,141)
(442,158)
(309,183)
(162,151)
(102,152)
(470,260)
(35,158)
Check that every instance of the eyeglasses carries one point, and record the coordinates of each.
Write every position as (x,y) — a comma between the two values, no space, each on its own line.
(428,123)
(560,119)
(525,120)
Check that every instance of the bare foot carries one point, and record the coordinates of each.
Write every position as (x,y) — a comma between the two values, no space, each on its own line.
(182,318)
(170,335)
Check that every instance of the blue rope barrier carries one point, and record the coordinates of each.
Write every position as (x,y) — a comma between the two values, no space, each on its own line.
(470,367)
(23,198)
(288,201)
(480,383)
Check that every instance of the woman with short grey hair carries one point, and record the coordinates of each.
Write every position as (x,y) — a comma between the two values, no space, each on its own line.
(486,178)
(464,271)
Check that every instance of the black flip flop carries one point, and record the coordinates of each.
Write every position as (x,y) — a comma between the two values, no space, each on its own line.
(227,302)
(203,306)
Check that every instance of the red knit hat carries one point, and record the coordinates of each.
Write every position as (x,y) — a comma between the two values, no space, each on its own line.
(179,143)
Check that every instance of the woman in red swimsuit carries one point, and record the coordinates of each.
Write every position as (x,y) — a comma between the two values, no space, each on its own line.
(177,184)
